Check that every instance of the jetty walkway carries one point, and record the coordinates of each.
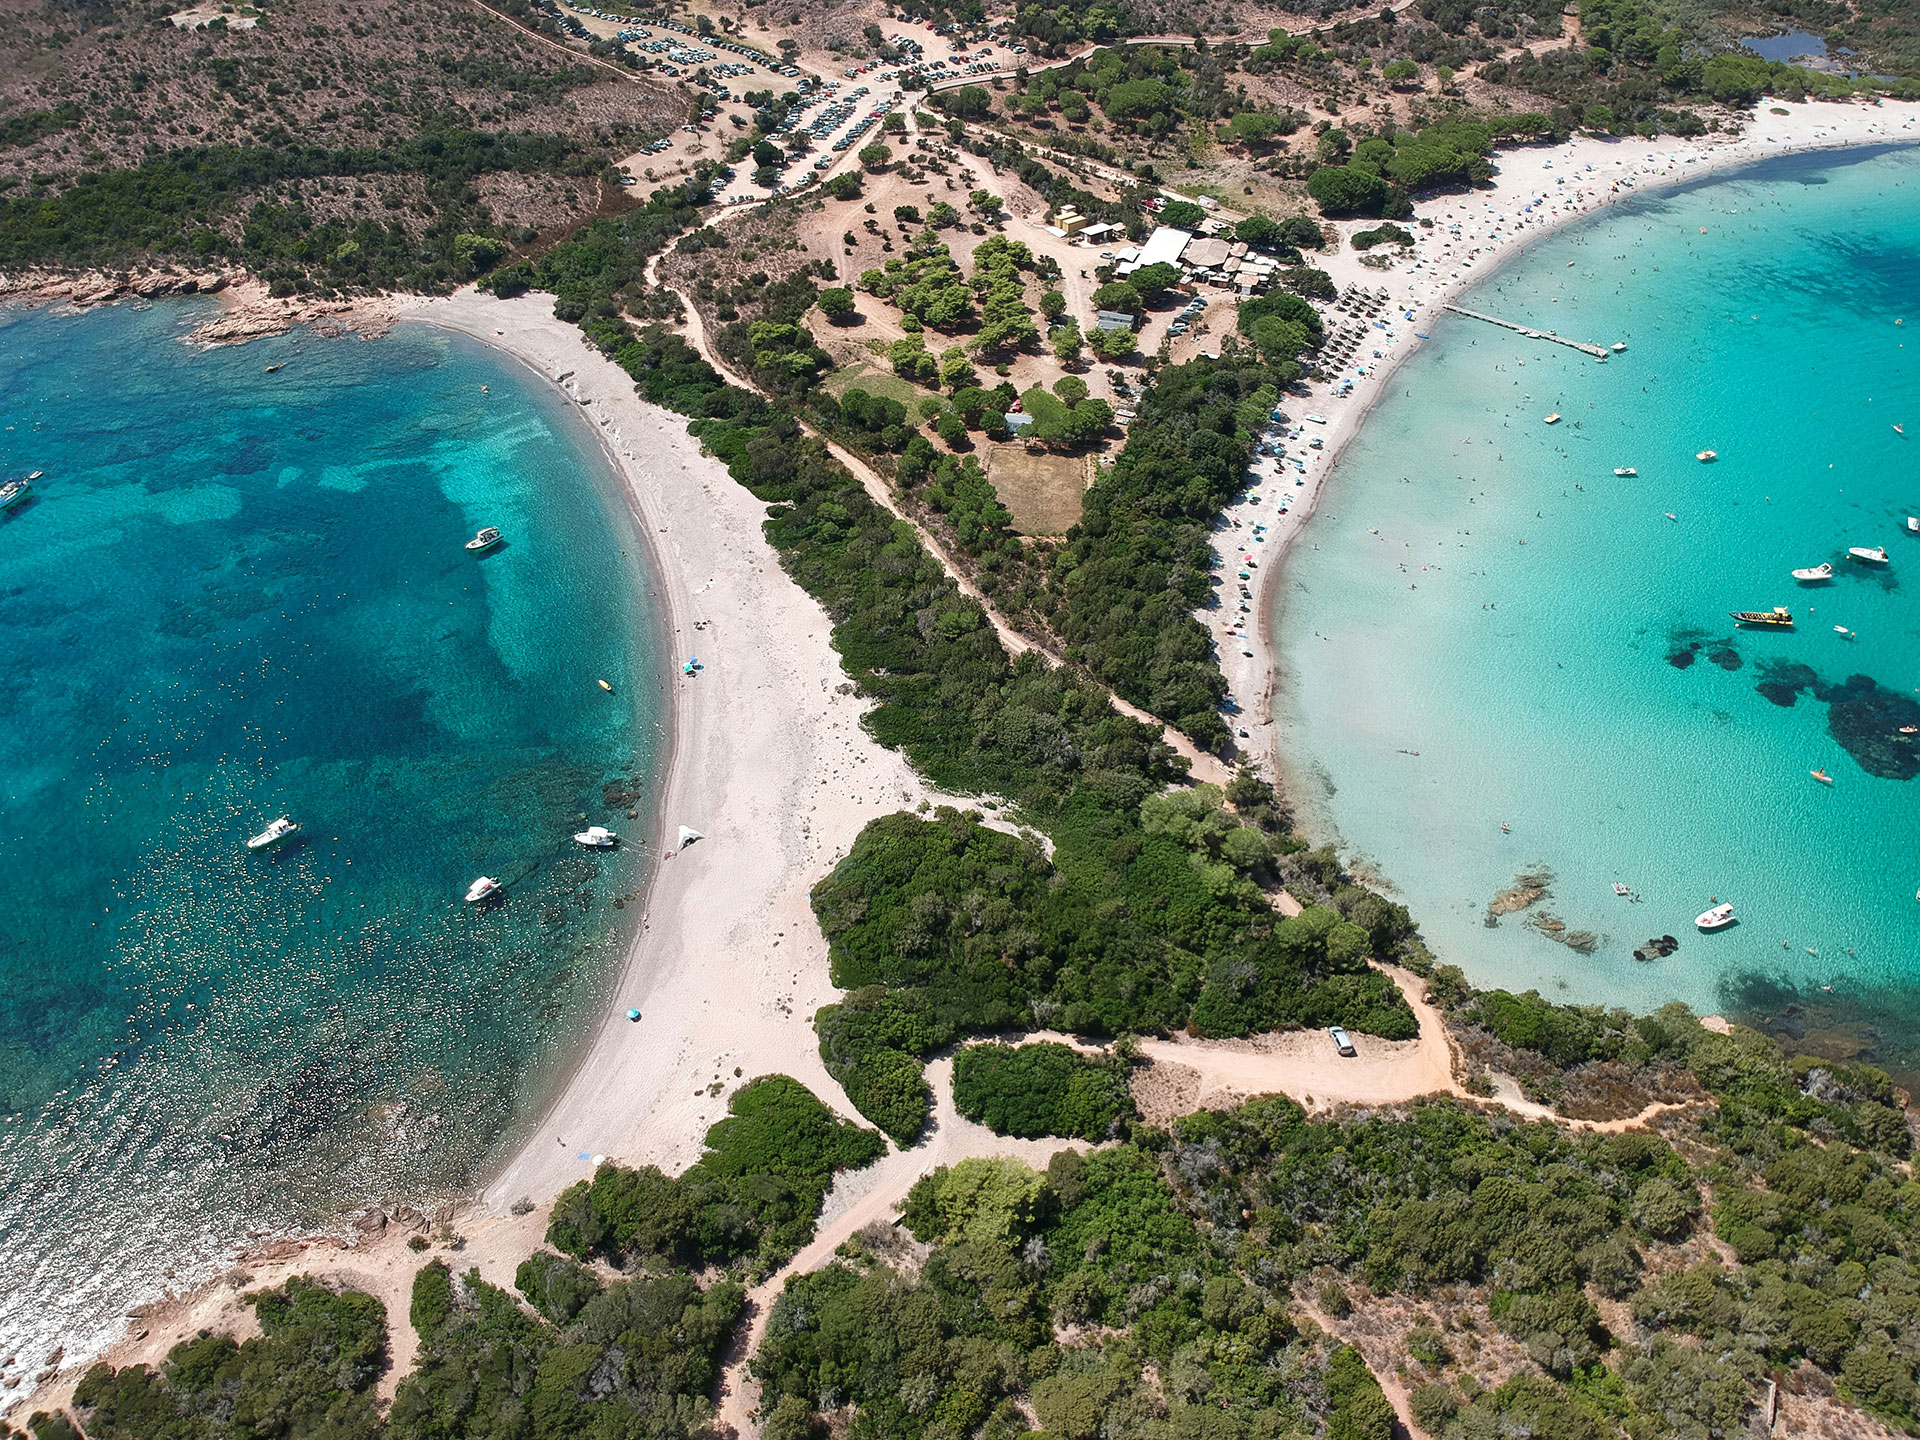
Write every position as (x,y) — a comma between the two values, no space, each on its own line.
(1599,352)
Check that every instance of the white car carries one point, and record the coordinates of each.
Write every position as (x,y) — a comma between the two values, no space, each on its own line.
(1342,1041)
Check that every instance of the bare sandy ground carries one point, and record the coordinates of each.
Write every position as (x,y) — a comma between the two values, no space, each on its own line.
(1562,183)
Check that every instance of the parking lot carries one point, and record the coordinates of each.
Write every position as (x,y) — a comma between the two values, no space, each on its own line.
(839,107)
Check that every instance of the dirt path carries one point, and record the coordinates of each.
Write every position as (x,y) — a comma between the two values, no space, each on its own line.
(1303,1065)
(1300,1064)
(858,1201)
(1205,767)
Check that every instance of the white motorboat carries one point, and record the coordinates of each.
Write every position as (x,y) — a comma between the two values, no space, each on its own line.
(597,837)
(276,832)
(485,540)
(15,490)
(1913,524)
(1624,470)
(1618,346)
(1869,554)
(1718,918)
(1821,571)
(482,888)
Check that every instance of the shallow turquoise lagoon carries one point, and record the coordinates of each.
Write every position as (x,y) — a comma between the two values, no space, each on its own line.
(236,595)
(1481,588)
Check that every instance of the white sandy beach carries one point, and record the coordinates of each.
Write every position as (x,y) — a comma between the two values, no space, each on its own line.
(1535,190)
(769,761)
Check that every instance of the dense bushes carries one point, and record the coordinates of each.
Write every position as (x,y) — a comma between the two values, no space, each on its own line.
(1018,1255)
(637,1359)
(1144,919)
(174,203)
(753,1195)
(1136,567)
(310,1371)
(1041,1089)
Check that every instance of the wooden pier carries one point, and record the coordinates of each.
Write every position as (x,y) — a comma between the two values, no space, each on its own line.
(1599,352)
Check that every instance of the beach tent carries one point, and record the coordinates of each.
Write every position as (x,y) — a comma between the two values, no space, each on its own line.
(688,835)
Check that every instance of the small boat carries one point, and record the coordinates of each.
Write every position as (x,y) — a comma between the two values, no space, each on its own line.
(1910,729)
(1620,888)
(1670,515)
(1821,571)
(1618,346)
(276,832)
(15,490)
(1706,457)
(596,837)
(276,369)
(1718,918)
(604,686)
(1913,524)
(1821,776)
(1553,419)
(1869,554)
(485,539)
(485,886)
(1625,470)
(1843,630)
(1778,618)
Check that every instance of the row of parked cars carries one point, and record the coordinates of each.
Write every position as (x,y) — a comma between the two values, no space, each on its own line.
(866,123)
(1184,320)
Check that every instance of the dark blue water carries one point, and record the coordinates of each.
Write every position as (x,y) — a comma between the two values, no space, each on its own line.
(237,595)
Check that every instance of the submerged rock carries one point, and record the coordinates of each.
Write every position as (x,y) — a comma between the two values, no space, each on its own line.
(1526,891)
(1781,681)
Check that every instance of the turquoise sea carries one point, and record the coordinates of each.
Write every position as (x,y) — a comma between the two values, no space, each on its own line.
(1482,589)
(236,595)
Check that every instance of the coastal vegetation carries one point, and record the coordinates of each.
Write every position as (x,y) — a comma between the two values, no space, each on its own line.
(751,1199)
(1244,1272)
(1042,1089)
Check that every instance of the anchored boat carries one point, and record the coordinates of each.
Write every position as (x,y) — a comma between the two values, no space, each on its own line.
(1718,918)
(1822,571)
(481,889)
(1707,456)
(596,837)
(1778,618)
(1869,554)
(486,539)
(276,832)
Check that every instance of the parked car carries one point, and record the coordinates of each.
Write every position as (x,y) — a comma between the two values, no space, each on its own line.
(1342,1041)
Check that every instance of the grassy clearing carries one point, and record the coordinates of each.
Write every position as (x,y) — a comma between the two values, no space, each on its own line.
(874,382)
(1041,492)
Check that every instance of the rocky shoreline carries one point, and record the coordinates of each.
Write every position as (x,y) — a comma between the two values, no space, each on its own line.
(249,312)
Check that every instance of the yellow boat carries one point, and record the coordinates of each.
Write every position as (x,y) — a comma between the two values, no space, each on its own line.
(604,686)
(1778,618)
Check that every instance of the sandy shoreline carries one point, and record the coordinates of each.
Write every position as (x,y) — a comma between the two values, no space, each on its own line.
(1563,183)
(767,757)
(767,761)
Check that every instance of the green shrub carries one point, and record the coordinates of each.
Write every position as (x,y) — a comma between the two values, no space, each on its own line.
(1041,1089)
